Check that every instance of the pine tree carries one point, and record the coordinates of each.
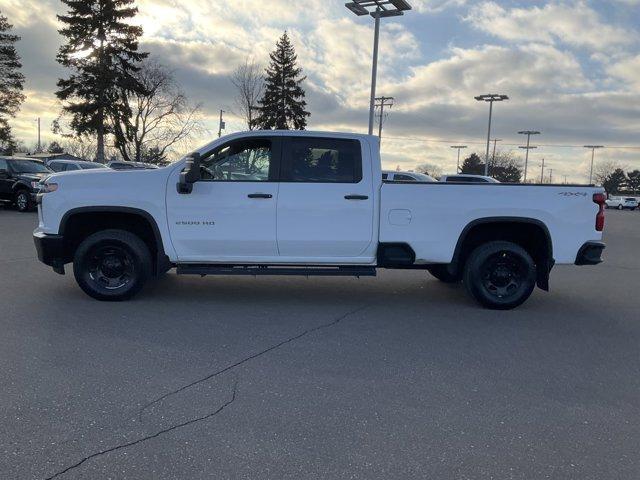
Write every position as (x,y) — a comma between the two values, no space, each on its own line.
(472,165)
(11,82)
(102,52)
(282,105)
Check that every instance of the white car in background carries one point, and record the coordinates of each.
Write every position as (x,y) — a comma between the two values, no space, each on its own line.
(622,203)
(70,165)
(393,176)
(467,178)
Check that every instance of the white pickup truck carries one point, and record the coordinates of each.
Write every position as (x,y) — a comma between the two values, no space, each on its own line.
(309,203)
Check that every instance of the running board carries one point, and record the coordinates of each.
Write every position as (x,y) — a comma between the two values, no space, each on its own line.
(195,269)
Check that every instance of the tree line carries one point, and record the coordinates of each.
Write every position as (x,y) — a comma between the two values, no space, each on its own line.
(118,100)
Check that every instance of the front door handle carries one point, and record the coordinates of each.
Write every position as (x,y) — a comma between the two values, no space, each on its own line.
(356,197)
(260,195)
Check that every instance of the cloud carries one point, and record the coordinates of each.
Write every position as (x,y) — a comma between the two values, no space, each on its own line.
(436,6)
(627,70)
(573,23)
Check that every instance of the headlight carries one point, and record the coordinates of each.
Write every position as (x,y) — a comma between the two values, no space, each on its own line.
(35,185)
(48,187)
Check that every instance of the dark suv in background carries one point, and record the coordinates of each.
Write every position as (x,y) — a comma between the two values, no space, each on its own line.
(19,181)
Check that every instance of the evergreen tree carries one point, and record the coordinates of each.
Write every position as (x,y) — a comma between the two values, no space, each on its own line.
(472,165)
(633,181)
(282,105)
(54,147)
(11,83)
(615,182)
(101,49)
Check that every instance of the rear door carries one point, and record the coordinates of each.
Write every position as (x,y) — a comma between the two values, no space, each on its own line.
(5,180)
(231,214)
(325,202)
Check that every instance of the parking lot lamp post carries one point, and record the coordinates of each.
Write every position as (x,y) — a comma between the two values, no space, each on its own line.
(377,9)
(459,147)
(593,154)
(528,133)
(490,97)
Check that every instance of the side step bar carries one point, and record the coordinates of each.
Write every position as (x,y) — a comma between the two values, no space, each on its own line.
(205,269)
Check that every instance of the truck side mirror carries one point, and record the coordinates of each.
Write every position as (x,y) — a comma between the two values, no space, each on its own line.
(190,174)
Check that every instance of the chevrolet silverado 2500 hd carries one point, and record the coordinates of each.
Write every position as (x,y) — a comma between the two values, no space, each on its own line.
(305,203)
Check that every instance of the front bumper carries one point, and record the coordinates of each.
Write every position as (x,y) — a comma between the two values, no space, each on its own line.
(590,253)
(51,250)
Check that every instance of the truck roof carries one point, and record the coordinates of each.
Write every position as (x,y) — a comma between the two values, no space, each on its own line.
(285,133)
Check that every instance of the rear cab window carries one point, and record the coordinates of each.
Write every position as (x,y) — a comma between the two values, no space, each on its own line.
(322,160)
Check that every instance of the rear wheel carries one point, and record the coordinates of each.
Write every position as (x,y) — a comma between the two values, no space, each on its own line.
(22,200)
(112,265)
(500,275)
(444,274)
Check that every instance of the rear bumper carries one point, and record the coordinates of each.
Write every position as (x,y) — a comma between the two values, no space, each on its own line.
(51,250)
(590,253)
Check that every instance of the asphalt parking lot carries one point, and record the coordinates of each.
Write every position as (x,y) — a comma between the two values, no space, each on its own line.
(392,377)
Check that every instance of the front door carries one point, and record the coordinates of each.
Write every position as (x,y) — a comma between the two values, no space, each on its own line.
(231,214)
(325,202)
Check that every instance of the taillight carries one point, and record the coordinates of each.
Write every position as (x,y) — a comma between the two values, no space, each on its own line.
(600,199)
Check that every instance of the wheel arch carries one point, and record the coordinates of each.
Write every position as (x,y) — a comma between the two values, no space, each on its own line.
(530,233)
(78,223)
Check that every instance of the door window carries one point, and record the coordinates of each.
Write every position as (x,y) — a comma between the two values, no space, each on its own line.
(323,160)
(3,164)
(247,160)
(56,166)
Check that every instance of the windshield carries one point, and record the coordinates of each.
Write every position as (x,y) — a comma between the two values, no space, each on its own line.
(28,166)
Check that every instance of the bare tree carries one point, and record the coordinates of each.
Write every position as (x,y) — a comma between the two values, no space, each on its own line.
(81,147)
(603,170)
(159,120)
(249,83)
(429,169)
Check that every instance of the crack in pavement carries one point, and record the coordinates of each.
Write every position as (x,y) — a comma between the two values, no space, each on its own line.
(247,359)
(149,437)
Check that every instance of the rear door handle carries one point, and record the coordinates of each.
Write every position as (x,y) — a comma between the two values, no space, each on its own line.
(260,195)
(356,197)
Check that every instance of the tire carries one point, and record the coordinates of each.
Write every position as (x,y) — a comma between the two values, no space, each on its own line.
(619,207)
(112,265)
(22,201)
(442,273)
(500,275)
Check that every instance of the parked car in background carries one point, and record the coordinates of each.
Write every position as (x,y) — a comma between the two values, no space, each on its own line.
(70,165)
(392,176)
(19,181)
(467,178)
(118,165)
(621,203)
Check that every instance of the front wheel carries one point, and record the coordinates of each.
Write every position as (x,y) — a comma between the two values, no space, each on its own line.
(112,265)
(23,201)
(620,207)
(500,275)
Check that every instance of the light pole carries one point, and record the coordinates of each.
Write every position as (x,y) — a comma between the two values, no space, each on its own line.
(377,9)
(528,133)
(490,97)
(459,147)
(542,172)
(383,102)
(493,157)
(222,125)
(593,154)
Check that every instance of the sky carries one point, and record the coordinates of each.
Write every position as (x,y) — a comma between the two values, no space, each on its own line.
(570,68)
